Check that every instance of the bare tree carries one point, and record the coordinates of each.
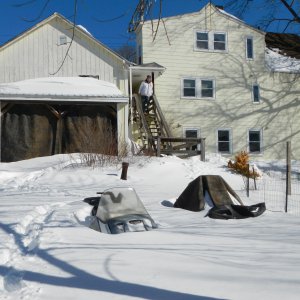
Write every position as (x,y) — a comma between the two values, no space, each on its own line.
(128,51)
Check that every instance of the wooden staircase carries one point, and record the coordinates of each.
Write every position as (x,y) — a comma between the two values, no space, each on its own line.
(152,125)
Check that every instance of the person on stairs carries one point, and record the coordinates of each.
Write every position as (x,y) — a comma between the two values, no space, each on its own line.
(146,92)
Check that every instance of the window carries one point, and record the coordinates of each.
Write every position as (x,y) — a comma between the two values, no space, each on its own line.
(255,93)
(255,141)
(62,40)
(211,41)
(192,133)
(198,88)
(249,48)
(91,76)
(224,141)
(189,88)
(219,41)
(207,89)
(202,40)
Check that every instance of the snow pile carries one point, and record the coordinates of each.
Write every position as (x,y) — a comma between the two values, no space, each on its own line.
(46,248)
(277,62)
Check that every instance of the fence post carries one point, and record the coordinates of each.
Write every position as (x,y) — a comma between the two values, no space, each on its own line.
(248,179)
(288,174)
(202,155)
(254,178)
(158,146)
(124,170)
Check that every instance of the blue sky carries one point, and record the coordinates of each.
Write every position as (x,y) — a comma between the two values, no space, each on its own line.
(97,15)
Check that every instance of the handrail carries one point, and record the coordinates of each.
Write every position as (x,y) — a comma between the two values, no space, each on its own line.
(138,104)
(161,117)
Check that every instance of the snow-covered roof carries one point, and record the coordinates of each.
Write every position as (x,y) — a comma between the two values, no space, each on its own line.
(288,44)
(56,88)
(277,62)
(283,52)
(84,29)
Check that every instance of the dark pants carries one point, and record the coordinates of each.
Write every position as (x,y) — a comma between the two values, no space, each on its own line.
(145,103)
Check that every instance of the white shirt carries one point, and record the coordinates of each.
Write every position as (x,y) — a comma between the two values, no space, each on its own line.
(146,89)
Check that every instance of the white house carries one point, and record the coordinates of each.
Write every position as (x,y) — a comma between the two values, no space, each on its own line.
(222,82)
(55,79)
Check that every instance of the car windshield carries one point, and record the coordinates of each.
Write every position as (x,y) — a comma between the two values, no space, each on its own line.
(117,202)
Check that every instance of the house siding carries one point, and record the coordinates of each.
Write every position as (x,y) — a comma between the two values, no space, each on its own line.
(276,115)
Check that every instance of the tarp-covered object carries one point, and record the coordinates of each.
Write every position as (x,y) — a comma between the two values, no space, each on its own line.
(33,130)
(193,199)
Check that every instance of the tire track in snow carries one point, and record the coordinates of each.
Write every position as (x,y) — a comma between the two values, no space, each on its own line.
(24,180)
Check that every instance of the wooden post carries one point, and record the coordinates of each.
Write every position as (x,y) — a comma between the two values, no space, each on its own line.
(288,174)
(158,146)
(248,179)
(254,178)
(124,170)
(202,143)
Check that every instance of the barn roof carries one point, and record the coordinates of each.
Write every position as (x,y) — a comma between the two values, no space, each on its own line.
(81,89)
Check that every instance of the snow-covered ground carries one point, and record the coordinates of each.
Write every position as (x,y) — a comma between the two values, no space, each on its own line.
(48,252)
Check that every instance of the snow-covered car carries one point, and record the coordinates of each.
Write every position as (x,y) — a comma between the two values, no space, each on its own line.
(119,210)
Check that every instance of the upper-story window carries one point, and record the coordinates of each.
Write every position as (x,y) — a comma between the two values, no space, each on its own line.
(198,88)
(249,47)
(220,41)
(255,93)
(62,40)
(202,40)
(211,41)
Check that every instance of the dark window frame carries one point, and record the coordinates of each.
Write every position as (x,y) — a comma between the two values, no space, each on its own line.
(225,142)
(254,145)
(249,48)
(256,93)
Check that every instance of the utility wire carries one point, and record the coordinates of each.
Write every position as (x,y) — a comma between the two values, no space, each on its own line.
(72,39)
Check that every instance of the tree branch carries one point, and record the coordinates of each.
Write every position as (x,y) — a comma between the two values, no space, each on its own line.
(40,14)
(291,10)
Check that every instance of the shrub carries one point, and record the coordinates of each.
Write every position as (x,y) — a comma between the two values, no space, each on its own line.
(98,145)
(241,165)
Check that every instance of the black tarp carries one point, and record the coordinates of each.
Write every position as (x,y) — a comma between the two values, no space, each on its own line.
(193,199)
(33,130)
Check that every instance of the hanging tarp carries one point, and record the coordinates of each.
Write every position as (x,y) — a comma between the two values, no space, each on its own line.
(33,130)
(27,131)
(90,129)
